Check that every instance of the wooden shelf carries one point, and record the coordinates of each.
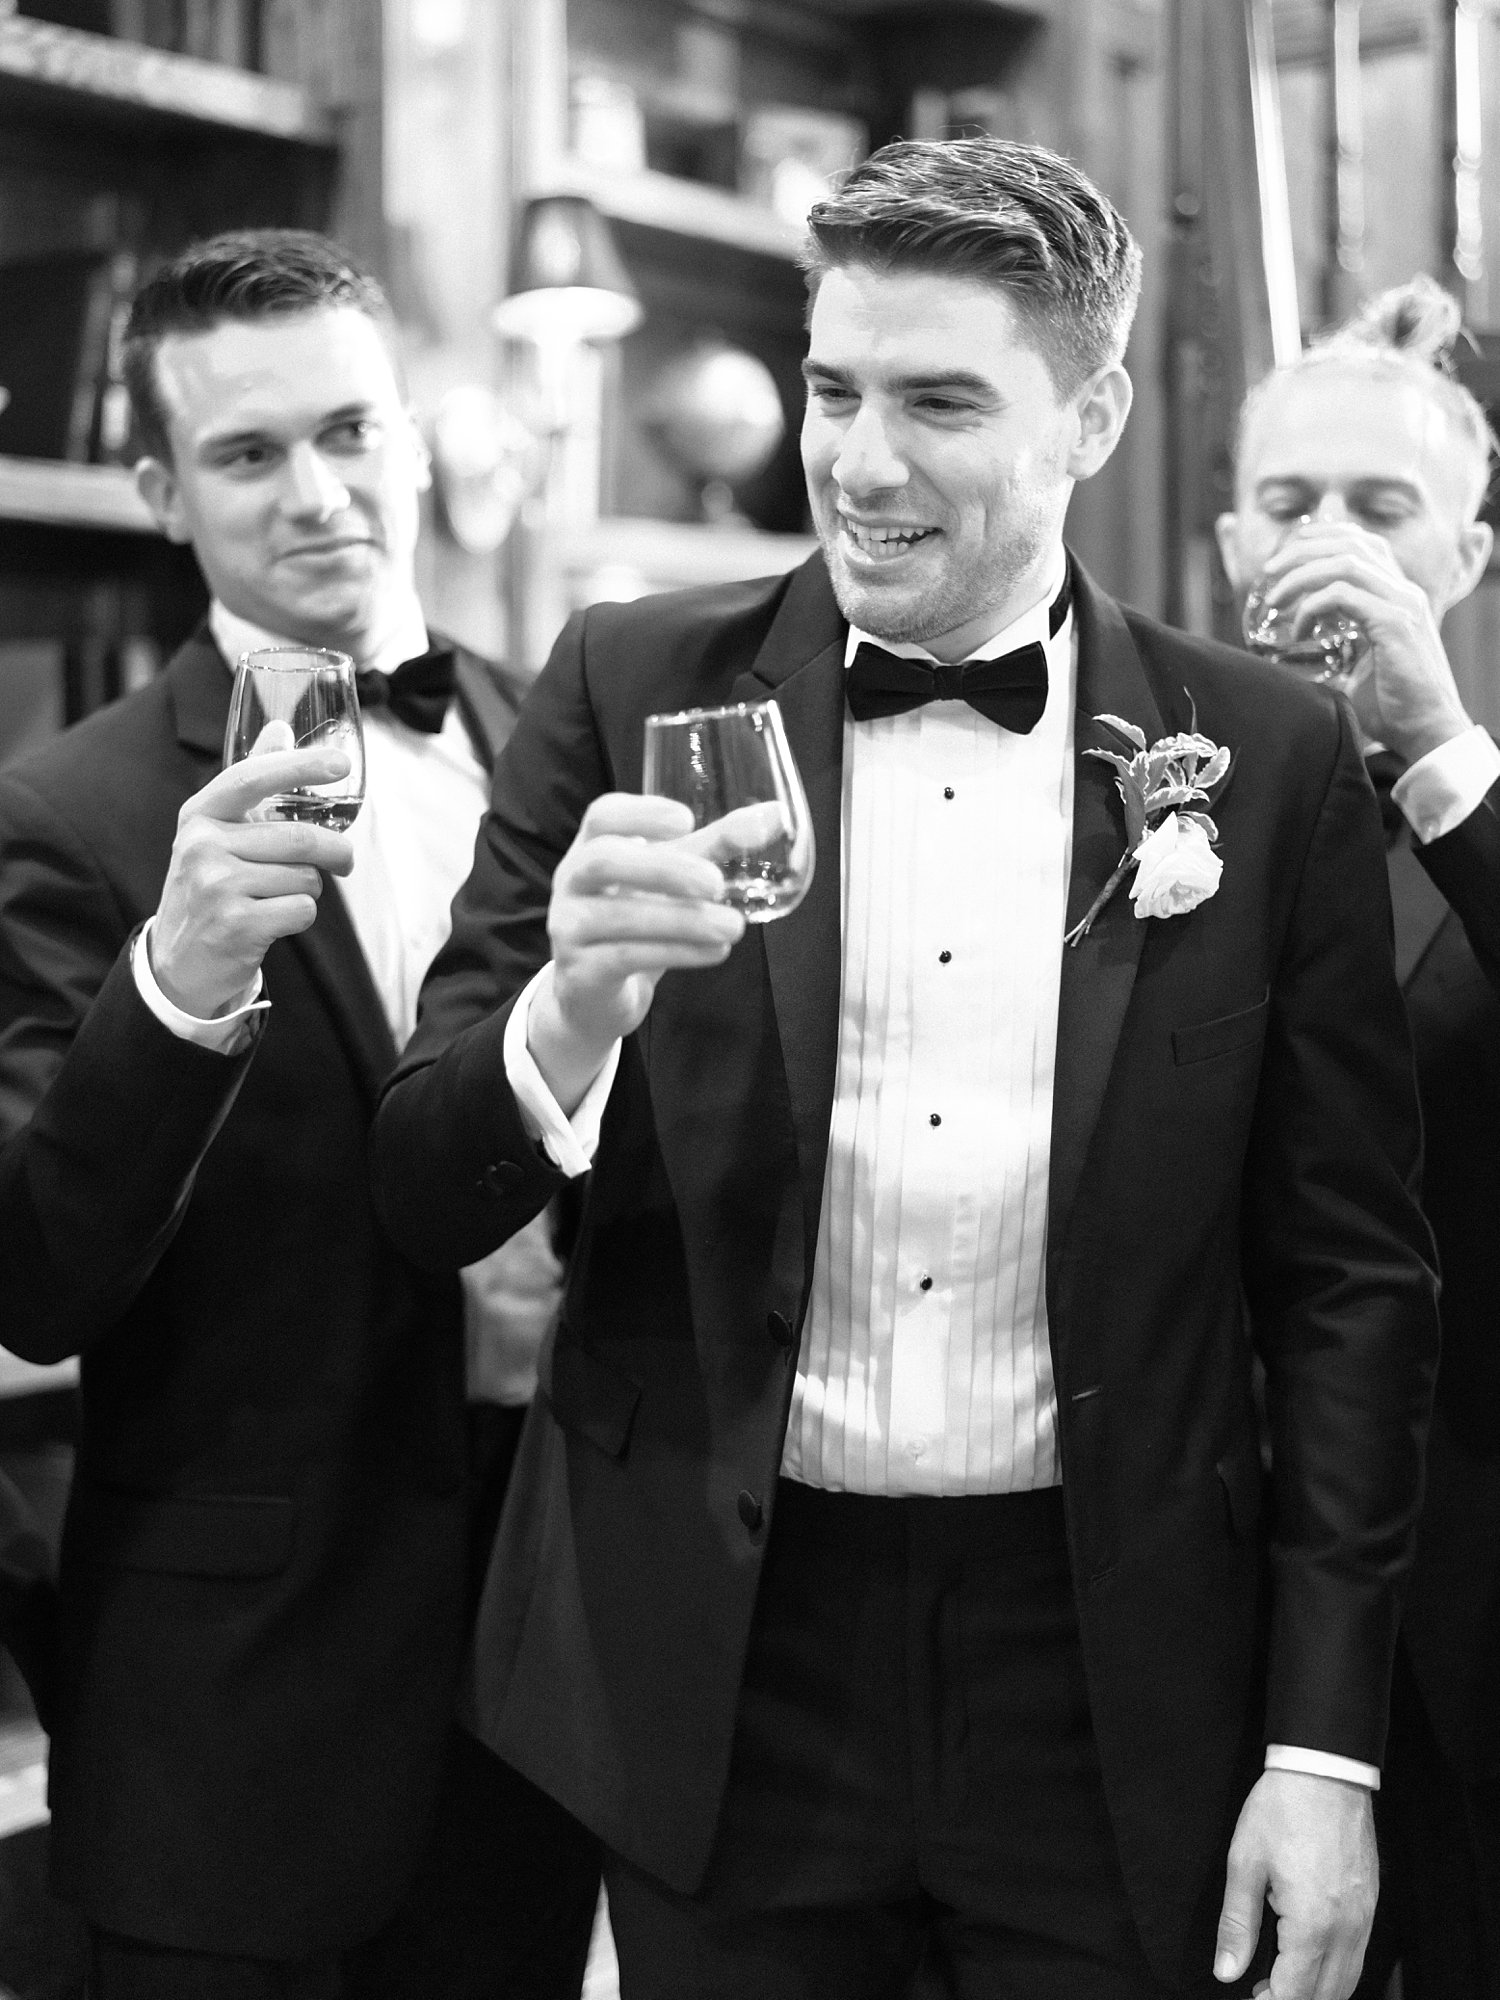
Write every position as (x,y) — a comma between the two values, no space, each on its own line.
(48,68)
(58,494)
(681,208)
(670,555)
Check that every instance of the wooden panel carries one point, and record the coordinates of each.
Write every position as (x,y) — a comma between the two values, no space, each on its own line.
(49,65)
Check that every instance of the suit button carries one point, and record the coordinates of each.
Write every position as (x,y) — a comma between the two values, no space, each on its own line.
(751,1511)
(780,1329)
(500,1178)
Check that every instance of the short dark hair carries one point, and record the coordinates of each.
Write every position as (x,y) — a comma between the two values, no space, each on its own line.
(243,274)
(1021,218)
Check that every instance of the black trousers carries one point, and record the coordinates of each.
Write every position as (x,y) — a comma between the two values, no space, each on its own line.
(914,1773)
(1439,1910)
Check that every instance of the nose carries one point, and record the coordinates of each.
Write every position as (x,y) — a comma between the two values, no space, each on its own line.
(312,490)
(868,461)
(1331,507)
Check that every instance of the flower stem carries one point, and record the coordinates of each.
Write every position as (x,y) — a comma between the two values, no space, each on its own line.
(1082,928)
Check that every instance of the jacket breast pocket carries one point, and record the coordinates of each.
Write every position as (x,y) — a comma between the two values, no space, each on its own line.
(1221,1037)
(592,1398)
(209,1535)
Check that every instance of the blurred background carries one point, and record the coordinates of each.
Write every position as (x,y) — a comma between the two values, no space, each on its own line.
(587,214)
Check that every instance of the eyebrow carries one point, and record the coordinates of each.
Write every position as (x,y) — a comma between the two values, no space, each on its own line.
(950,378)
(1300,482)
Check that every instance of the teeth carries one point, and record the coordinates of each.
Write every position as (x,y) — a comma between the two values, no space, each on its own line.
(884,541)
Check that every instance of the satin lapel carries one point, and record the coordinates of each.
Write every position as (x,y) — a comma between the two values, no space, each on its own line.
(487,699)
(1098,974)
(1418,907)
(201,683)
(801,663)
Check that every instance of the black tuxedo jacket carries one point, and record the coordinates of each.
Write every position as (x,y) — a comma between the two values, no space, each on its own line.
(1449,956)
(1232,1142)
(262,1565)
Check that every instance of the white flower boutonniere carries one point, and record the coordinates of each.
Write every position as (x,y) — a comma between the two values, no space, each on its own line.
(1170,846)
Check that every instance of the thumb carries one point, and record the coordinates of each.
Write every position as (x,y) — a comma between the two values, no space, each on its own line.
(276,735)
(1239,1919)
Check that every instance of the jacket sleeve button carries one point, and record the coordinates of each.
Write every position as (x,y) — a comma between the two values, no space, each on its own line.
(780,1329)
(501,1178)
(751,1511)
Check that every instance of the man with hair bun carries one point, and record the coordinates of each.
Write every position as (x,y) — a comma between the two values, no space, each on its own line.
(888,1571)
(1370,443)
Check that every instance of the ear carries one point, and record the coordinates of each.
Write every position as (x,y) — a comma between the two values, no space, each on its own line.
(1470,561)
(1227,535)
(1102,406)
(157,485)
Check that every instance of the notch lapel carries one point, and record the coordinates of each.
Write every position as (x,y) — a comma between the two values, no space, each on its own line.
(801,664)
(201,682)
(1098,974)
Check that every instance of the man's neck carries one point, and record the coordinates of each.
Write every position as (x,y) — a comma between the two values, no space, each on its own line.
(400,636)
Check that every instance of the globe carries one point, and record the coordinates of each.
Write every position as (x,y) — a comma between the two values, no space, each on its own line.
(715,413)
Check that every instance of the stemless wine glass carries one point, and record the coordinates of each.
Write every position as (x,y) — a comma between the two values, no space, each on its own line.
(300,698)
(734,768)
(1331,649)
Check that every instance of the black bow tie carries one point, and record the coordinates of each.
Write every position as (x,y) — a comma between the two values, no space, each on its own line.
(1011,690)
(417,693)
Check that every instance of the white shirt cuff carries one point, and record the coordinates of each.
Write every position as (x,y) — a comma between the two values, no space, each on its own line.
(1322,1764)
(220,1034)
(570,1143)
(1440,790)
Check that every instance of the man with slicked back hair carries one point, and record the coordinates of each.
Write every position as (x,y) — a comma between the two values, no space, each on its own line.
(890,1573)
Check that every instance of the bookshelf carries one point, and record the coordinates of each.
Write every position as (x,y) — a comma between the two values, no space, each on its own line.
(113,155)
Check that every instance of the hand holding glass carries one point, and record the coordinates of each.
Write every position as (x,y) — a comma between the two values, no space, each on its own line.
(1329,650)
(299,698)
(733,768)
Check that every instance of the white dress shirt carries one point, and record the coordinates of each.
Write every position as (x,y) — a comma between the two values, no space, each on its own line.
(413,845)
(925,1366)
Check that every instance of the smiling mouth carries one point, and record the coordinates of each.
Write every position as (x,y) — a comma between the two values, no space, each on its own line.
(883,543)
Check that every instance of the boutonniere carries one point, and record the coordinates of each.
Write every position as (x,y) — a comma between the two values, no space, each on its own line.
(1170,847)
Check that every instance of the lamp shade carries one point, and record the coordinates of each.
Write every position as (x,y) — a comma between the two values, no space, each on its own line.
(567,277)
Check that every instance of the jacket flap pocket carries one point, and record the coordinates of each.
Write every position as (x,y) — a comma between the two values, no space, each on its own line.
(1219,1038)
(592,1397)
(1244,1482)
(229,1535)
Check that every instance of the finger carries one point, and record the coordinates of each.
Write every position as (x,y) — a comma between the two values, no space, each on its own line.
(643,921)
(277,735)
(287,841)
(609,865)
(1297,1972)
(1239,1918)
(236,790)
(739,832)
(265,882)
(1348,570)
(643,816)
(284,916)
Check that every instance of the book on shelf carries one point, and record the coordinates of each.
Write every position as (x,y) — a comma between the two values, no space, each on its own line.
(60,316)
(221,31)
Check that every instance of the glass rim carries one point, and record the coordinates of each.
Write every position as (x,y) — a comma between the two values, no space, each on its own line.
(294,659)
(711,714)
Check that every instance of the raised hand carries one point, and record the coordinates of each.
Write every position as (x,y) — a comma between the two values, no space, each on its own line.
(236,883)
(636,895)
(1407,697)
(1307,1843)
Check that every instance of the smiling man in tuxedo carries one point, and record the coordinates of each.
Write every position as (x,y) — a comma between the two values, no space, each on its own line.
(1361,472)
(263,1565)
(889,1571)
